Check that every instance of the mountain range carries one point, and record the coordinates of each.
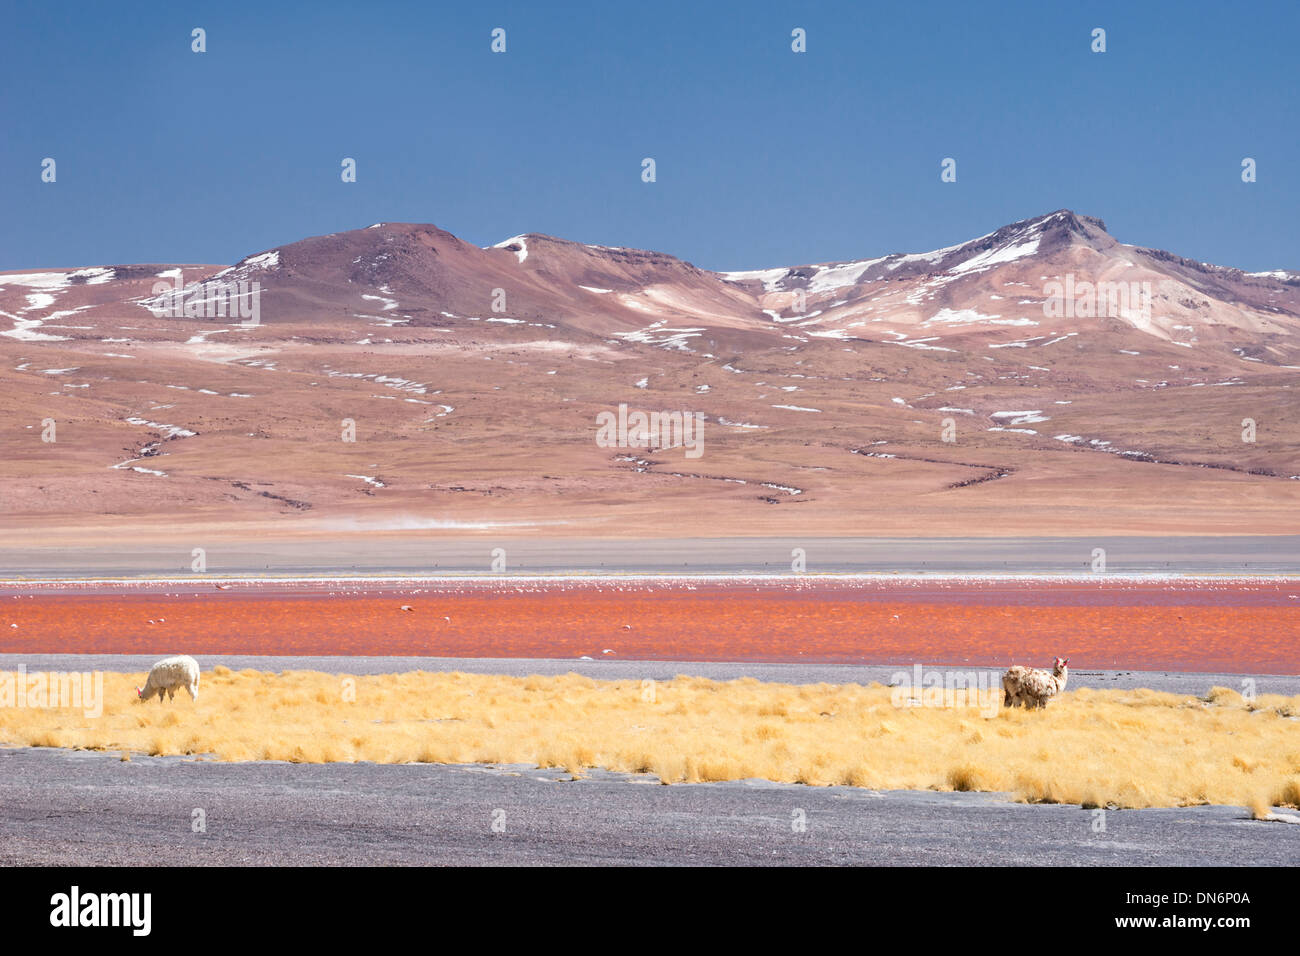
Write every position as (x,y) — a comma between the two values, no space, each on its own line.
(1043,378)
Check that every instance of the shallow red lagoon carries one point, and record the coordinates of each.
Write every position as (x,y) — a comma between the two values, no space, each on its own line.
(1211,625)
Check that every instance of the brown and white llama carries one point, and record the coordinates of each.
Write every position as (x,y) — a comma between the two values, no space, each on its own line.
(1031,687)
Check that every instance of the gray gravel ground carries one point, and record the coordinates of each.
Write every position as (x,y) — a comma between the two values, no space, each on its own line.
(60,807)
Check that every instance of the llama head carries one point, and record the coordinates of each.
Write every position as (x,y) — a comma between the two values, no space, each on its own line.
(139,692)
(1060,664)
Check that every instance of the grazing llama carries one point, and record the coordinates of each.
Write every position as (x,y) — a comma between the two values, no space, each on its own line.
(1034,688)
(170,675)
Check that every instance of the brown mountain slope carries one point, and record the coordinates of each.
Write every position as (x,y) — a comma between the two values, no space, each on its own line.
(970,390)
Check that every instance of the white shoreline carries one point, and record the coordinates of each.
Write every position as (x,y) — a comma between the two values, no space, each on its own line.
(637,577)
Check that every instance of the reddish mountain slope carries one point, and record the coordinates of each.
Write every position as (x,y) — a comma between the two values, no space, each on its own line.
(1044,378)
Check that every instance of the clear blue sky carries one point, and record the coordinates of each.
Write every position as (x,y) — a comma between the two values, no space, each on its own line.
(765,157)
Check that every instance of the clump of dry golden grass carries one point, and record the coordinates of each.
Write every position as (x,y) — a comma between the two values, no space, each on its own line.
(1261,804)
(1097,748)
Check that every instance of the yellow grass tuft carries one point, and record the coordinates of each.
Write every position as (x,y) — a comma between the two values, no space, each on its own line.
(1222,695)
(1288,795)
(968,776)
(1259,806)
(1091,747)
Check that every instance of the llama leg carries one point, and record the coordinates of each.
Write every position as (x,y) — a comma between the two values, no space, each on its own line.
(194,690)
(1008,692)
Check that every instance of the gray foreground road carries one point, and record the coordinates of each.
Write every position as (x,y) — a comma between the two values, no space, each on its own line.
(419,555)
(61,807)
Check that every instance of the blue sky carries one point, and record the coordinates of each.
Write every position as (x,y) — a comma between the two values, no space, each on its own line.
(764,157)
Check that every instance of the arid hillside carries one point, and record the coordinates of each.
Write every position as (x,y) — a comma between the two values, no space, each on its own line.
(1042,379)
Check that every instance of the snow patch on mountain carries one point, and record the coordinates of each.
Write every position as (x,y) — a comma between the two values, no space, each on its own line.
(522,252)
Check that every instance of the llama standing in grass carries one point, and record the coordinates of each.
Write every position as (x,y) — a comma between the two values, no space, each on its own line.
(1034,688)
(169,675)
